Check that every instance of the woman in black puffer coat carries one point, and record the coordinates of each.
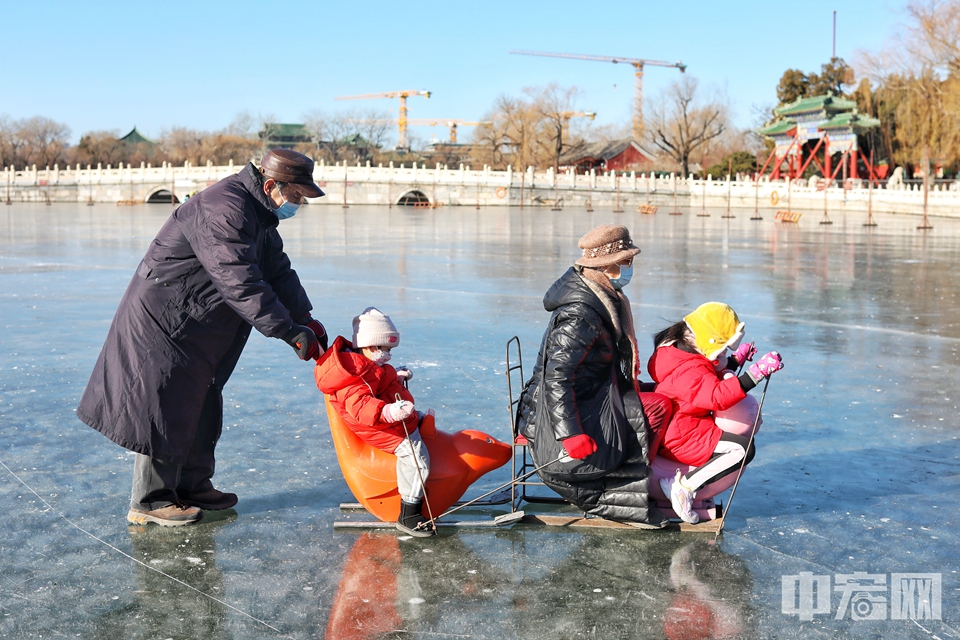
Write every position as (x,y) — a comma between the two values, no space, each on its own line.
(584,399)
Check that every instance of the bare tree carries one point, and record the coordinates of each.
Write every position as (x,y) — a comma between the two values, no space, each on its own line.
(11,142)
(101,147)
(44,140)
(680,122)
(317,124)
(183,145)
(933,37)
(243,125)
(914,85)
(554,108)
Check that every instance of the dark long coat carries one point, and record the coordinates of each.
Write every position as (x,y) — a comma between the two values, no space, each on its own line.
(215,269)
(580,351)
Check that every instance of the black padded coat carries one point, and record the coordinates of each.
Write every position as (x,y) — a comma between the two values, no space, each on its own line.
(580,352)
(216,268)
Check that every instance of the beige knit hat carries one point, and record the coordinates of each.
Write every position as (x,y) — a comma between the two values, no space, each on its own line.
(374,329)
(605,245)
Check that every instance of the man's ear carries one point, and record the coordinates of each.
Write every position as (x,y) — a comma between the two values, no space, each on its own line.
(268,185)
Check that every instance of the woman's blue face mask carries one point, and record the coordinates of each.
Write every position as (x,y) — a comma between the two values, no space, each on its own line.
(626,272)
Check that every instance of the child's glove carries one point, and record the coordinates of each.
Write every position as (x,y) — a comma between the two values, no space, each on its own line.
(579,446)
(744,353)
(404,374)
(765,366)
(399,410)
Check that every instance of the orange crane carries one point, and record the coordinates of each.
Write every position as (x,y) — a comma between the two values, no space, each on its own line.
(402,120)
(638,64)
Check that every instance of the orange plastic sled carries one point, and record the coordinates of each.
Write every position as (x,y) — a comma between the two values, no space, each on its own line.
(457,460)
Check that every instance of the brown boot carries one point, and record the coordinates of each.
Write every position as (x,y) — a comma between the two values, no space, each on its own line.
(175,515)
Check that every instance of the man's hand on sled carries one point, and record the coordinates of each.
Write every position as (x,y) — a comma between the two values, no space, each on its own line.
(404,374)
(399,410)
(579,446)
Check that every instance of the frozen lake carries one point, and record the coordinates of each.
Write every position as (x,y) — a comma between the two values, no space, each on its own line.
(848,504)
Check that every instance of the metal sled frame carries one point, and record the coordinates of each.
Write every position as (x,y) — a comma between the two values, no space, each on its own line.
(522,464)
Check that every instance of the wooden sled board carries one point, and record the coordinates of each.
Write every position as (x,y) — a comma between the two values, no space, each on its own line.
(572,521)
(576,521)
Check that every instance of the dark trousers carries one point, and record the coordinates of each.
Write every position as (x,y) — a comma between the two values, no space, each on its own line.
(158,483)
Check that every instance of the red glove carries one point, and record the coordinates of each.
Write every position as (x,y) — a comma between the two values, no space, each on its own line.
(580,446)
(319,331)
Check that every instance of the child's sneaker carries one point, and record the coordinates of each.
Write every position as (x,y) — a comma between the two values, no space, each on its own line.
(681,498)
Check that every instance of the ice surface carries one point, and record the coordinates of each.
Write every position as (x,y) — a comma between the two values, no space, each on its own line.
(856,467)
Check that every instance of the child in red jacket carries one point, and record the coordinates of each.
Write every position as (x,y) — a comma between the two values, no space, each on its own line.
(369,396)
(687,365)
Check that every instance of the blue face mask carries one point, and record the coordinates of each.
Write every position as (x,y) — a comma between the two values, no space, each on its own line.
(626,272)
(287,209)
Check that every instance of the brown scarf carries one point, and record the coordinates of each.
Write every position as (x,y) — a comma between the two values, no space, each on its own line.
(618,308)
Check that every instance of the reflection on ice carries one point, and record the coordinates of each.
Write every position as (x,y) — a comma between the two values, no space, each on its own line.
(855,467)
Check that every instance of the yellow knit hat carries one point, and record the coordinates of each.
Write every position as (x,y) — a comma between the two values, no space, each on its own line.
(715,327)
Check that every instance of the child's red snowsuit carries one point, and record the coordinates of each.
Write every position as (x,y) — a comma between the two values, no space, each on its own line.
(696,391)
(358,390)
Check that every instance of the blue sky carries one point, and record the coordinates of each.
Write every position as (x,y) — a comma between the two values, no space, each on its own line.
(113,65)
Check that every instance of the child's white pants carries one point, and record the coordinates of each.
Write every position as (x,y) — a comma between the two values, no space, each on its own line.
(409,458)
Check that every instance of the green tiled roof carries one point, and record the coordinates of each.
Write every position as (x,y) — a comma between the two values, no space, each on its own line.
(281,131)
(135,137)
(778,127)
(826,102)
(850,120)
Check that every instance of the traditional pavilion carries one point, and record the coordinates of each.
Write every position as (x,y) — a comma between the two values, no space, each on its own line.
(832,121)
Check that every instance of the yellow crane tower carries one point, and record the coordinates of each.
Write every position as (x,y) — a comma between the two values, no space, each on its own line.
(402,120)
(638,64)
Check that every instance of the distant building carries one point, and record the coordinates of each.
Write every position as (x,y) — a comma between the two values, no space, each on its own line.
(135,138)
(805,125)
(285,136)
(617,155)
(134,148)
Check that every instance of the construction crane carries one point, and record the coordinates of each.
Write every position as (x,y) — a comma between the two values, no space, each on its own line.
(452,124)
(402,120)
(431,122)
(638,64)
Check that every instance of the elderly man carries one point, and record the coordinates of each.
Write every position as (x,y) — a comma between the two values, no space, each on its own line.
(215,269)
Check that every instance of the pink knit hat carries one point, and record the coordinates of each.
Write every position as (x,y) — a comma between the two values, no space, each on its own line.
(374,329)
(605,245)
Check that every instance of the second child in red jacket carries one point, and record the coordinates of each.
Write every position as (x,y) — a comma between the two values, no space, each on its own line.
(369,396)
(687,365)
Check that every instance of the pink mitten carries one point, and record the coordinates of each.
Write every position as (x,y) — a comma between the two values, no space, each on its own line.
(765,366)
(744,353)
(399,410)
(579,446)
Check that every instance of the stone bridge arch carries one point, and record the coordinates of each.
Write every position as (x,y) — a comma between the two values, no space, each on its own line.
(412,197)
(160,196)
